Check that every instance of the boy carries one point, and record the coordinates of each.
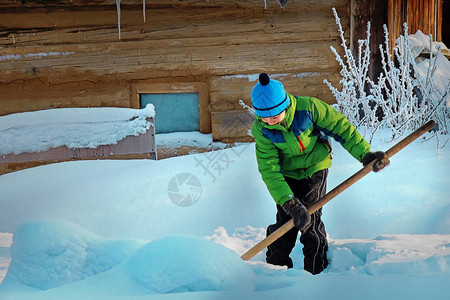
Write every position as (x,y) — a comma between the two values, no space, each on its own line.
(293,155)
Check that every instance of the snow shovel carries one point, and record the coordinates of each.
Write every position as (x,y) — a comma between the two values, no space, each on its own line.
(337,190)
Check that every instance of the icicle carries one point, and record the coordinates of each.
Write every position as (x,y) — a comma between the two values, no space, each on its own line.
(282,3)
(118,16)
(143,9)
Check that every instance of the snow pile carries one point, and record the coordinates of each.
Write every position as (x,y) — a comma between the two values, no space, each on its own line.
(47,254)
(52,253)
(441,74)
(422,44)
(72,127)
(385,254)
(185,264)
(195,266)
(241,240)
(392,254)
(419,42)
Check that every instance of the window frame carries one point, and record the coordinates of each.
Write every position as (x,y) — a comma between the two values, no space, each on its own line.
(201,88)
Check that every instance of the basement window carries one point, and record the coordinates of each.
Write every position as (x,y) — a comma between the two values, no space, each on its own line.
(179,106)
(175,112)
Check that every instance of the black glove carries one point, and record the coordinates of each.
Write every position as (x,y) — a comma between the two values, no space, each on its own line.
(298,212)
(379,156)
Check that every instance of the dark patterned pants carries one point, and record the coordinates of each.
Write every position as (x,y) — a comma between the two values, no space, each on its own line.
(314,238)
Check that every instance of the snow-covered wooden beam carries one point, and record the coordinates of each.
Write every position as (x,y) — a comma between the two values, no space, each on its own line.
(76,133)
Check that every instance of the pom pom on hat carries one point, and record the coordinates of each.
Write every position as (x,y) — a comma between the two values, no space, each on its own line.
(264,79)
(269,97)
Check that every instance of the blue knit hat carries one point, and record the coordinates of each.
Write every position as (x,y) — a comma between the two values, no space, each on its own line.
(269,97)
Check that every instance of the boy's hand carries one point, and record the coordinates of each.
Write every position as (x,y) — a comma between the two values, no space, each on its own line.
(380,163)
(298,212)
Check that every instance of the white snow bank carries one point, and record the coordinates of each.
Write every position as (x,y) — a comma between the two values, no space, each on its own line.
(51,253)
(392,254)
(47,254)
(188,266)
(187,263)
(72,127)
(385,254)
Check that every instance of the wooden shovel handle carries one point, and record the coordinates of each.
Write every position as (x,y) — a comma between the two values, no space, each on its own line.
(337,190)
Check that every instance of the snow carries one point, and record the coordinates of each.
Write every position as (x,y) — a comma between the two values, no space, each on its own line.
(72,127)
(5,244)
(38,55)
(52,253)
(183,264)
(111,229)
(419,42)
(192,139)
(280,76)
(423,44)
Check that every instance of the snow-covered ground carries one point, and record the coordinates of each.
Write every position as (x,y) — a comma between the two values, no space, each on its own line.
(143,229)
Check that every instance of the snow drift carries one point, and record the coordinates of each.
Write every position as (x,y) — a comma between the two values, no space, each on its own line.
(48,254)
(52,253)
(389,235)
(54,259)
(72,127)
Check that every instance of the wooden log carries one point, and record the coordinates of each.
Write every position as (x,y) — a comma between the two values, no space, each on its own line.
(226,91)
(28,97)
(232,126)
(446,53)
(172,43)
(92,27)
(83,4)
(141,56)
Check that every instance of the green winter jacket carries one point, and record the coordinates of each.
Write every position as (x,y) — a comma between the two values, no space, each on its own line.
(298,147)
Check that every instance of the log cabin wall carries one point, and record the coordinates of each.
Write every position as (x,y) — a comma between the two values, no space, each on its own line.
(374,11)
(423,15)
(67,53)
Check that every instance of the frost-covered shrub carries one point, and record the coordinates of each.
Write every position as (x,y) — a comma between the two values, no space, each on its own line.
(403,98)
(352,100)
